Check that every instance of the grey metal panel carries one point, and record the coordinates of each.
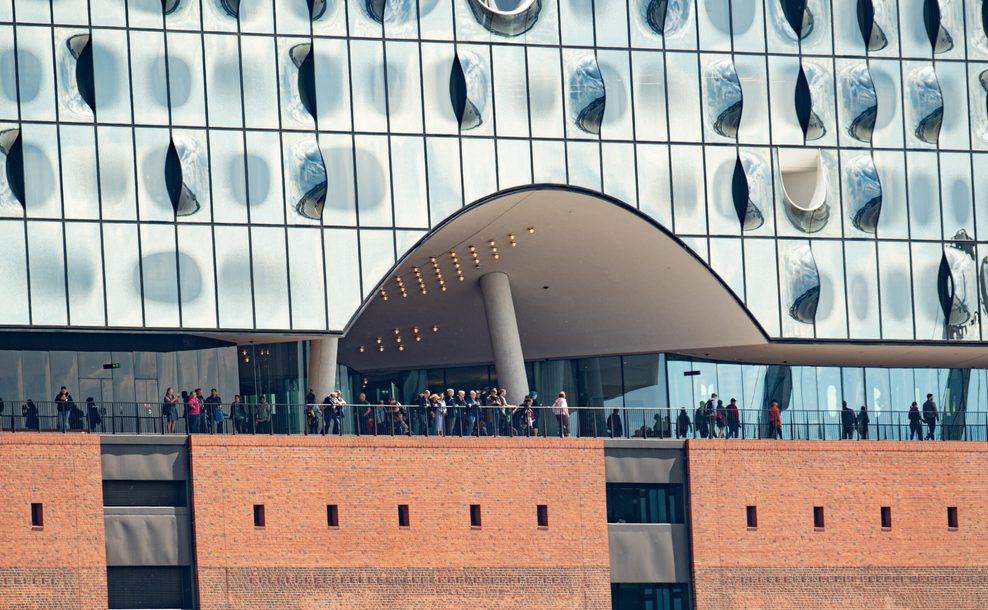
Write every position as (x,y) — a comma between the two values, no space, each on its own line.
(209,375)
(64,368)
(143,461)
(229,385)
(37,377)
(632,465)
(91,365)
(649,552)
(148,539)
(167,373)
(11,383)
(145,365)
(188,371)
(123,378)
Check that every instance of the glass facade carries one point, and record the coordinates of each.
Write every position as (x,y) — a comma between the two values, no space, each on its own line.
(645,503)
(642,386)
(261,165)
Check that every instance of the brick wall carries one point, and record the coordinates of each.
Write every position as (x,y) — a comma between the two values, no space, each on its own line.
(297,561)
(852,562)
(61,565)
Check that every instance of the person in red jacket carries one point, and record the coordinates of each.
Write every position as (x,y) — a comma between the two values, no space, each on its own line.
(774,420)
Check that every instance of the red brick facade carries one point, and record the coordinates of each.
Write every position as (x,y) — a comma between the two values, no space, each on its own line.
(852,562)
(62,564)
(297,561)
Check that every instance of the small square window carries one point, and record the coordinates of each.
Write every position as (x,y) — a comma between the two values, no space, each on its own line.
(37,515)
(952,517)
(258,515)
(543,515)
(475,515)
(886,517)
(332,515)
(818,522)
(752,513)
(402,515)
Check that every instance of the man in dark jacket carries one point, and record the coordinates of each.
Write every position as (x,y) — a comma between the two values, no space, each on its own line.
(683,424)
(211,404)
(614,426)
(64,405)
(700,421)
(930,416)
(733,419)
(915,423)
(847,421)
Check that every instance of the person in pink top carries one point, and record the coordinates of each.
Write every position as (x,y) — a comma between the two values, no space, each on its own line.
(193,409)
(561,410)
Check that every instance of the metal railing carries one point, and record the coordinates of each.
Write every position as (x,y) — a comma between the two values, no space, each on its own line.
(384,420)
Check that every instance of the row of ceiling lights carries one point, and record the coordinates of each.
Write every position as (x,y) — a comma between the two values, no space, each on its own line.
(434,262)
(454,258)
(416,332)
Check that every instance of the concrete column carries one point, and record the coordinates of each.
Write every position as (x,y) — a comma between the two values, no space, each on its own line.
(509,362)
(322,366)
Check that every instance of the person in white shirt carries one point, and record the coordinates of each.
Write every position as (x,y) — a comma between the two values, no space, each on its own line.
(561,410)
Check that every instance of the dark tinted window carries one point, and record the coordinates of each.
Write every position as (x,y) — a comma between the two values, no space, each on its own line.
(644,503)
(752,512)
(818,521)
(402,515)
(37,515)
(144,493)
(149,587)
(628,596)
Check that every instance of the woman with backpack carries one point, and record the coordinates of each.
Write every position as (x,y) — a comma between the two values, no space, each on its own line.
(169,410)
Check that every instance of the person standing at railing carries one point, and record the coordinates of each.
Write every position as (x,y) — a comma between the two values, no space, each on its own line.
(213,404)
(847,421)
(205,413)
(863,421)
(365,412)
(931,416)
(92,415)
(710,414)
(219,416)
(561,410)
(915,423)
(169,410)
(733,419)
(262,415)
(420,414)
(683,424)
(472,409)
(774,421)
(30,413)
(63,404)
(615,428)
(239,414)
(193,407)
(700,421)
(721,419)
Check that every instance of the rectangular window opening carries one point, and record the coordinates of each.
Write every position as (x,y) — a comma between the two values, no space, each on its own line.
(402,515)
(818,522)
(543,515)
(332,515)
(886,517)
(37,515)
(952,517)
(752,513)
(475,515)
(258,515)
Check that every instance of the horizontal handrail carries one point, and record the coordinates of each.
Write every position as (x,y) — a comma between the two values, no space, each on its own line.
(457,420)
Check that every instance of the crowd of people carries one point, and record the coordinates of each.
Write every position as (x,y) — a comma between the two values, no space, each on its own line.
(449,413)
(453,413)
(714,419)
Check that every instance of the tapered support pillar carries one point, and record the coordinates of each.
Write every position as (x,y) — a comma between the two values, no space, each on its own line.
(509,362)
(322,366)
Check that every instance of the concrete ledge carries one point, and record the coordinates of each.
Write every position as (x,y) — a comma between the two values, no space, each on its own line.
(402,442)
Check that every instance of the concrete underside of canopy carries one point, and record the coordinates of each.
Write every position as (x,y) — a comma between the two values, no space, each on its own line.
(595,278)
